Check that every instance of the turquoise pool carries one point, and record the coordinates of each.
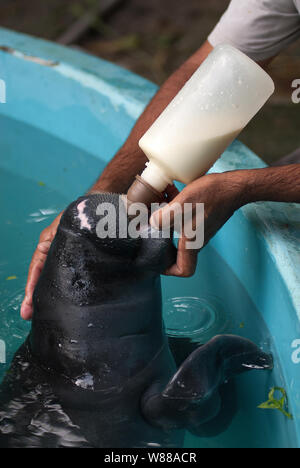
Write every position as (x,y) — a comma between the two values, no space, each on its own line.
(63,120)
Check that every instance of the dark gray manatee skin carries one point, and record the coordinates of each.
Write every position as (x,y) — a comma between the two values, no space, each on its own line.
(97,370)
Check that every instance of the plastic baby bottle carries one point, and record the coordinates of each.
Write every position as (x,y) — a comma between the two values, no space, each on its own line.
(214,106)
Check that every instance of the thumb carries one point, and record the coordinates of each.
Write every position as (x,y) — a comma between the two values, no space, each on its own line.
(166,217)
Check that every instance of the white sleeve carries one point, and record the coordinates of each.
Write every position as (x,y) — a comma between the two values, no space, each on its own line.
(259,28)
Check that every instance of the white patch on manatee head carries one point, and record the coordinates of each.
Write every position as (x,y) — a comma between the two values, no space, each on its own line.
(84,222)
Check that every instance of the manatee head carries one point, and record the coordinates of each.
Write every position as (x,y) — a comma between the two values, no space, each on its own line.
(121,242)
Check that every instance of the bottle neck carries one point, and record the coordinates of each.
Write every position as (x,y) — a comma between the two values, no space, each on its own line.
(142,192)
(156,177)
(149,187)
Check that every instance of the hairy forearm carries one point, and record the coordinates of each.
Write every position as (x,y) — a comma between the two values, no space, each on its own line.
(130,160)
(278,184)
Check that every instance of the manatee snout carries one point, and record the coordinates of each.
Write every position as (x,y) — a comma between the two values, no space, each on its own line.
(102,218)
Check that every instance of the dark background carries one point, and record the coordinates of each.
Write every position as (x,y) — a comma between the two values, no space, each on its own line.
(152,38)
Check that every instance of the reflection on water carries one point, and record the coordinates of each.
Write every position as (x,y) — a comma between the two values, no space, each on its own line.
(41,215)
(27,207)
(198,319)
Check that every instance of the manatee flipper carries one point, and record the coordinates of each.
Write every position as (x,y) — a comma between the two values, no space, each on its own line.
(196,397)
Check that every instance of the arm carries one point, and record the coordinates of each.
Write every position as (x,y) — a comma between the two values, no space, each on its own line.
(278,184)
(225,193)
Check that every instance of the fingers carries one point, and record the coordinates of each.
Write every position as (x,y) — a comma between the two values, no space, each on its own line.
(156,219)
(167,216)
(186,261)
(35,269)
(44,247)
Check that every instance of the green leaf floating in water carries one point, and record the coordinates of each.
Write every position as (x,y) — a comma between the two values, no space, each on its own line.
(277,404)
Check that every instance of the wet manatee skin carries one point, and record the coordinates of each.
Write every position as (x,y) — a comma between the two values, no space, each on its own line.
(96,369)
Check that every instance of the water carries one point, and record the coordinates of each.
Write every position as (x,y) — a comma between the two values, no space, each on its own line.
(27,207)
(194,318)
(215,302)
(212,302)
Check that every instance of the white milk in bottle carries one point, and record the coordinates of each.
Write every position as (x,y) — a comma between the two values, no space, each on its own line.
(218,101)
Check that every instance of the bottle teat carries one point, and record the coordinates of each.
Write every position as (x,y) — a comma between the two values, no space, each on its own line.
(142,192)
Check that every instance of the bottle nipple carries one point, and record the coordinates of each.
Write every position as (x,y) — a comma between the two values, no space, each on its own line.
(142,192)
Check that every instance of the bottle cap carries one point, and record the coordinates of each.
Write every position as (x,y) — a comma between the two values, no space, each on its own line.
(142,192)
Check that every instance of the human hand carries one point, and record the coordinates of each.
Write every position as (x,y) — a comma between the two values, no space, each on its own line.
(221,195)
(36,266)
